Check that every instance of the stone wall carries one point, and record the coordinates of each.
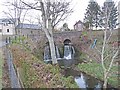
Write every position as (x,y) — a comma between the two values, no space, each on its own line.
(30,31)
(73,36)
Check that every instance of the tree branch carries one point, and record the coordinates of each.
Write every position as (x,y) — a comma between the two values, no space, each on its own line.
(31,7)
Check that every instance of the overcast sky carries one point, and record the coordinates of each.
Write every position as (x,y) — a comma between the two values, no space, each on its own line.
(79,7)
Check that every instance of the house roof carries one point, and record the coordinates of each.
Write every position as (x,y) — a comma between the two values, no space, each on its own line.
(92,1)
(108,1)
(78,22)
(7,20)
(29,26)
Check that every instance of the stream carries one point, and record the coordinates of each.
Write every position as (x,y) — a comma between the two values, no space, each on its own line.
(83,80)
(68,62)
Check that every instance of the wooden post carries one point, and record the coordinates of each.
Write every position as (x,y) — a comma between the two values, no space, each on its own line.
(6,40)
(9,40)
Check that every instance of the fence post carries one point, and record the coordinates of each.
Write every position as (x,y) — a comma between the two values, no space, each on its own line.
(9,40)
(6,40)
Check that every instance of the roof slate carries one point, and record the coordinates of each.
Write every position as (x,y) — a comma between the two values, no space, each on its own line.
(29,26)
(7,20)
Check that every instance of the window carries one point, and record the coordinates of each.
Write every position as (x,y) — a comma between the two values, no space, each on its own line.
(5,24)
(7,30)
(0,30)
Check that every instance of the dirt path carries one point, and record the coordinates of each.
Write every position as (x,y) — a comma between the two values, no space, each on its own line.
(5,81)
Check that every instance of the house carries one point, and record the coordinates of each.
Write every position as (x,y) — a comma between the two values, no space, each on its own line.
(79,26)
(10,26)
(119,14)
(29,29)
(7,26)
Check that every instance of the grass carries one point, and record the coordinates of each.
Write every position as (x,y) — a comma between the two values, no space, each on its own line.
(35,73)
(95,69)
(18,39)
(34,77)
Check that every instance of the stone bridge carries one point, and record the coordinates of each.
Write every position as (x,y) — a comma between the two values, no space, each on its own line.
(60,37)
(73,36)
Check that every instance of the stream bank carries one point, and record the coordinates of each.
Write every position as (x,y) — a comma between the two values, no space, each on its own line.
(5,74)
(34,73)
(34,70)
(9,75)
(85,81)
(32,64)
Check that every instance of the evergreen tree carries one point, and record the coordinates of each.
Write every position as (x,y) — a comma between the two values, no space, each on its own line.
(65,27)
(111,13)
(97,12)
(92,14)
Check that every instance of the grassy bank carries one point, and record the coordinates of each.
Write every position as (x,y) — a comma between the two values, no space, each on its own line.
(34,73)
(95,69)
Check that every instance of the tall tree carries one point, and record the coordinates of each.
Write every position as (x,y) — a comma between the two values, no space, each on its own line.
(52,14)
(16,15)
(97,16)
(59,12)
(65,27)
(112,13)
(92,14)
(104,51)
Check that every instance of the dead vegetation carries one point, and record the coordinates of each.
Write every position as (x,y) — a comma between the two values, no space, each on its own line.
(34,73)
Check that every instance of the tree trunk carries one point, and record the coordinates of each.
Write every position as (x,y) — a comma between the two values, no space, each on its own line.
(47,27)
(51,43)
(105,81)
(52,47)
(52,50)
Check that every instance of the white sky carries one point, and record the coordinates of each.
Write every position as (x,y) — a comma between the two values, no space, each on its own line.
(79,7)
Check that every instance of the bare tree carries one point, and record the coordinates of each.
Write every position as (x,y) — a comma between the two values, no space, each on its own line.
(52,14)
(17,15)
(105,52)
(59,11)
(108,52)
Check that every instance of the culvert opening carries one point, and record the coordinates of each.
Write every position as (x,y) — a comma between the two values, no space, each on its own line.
(67,42)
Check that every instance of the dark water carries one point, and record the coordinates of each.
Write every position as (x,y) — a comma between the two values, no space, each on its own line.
(68,62)
(83,80)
